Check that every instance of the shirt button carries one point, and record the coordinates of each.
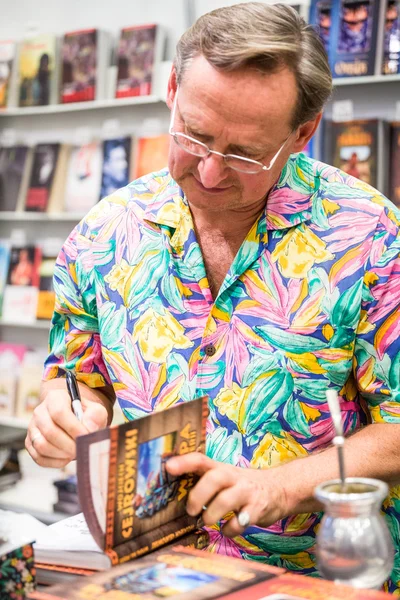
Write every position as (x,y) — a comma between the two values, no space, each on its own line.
(210,350)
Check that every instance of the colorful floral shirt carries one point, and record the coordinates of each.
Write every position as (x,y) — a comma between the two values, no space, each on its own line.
(311,302)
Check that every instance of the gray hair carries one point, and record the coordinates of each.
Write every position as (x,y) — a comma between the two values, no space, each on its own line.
(264,37)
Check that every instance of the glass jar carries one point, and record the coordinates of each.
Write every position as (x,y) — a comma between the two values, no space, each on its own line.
(353,545)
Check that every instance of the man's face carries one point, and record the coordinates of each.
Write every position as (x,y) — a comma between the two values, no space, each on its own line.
(247,113)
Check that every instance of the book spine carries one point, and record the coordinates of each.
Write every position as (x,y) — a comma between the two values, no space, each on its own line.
(112,489)
(152,540)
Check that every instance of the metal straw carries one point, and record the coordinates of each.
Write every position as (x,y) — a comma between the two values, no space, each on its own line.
(338,440)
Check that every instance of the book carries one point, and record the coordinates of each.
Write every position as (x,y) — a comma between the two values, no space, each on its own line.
(151,154)
(11,360)
(177,573)
(394,176)
(21,290)
(295,587)
(140,50)
(15,167)
(4,266)
(83,179)
(320,18)
(131,505)
(354,47)
(84,64)
(28,388)
(45,159)
(37,71)
(116,165)
(7,57)
(391,38)
(46,294)
(353,146)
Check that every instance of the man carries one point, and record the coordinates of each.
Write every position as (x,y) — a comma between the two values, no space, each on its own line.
(247,272)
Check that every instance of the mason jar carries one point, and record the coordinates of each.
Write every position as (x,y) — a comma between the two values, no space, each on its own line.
(353,543)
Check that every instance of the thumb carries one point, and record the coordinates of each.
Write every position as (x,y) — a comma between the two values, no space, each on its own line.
(94,416)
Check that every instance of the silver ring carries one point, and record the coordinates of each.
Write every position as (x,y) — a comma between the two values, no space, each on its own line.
(35,437)
(204,507)
(243,518)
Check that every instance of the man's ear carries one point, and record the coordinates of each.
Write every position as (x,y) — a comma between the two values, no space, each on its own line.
(172,87)
(305,133)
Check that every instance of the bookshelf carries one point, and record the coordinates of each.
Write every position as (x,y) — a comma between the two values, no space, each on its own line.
(368,80)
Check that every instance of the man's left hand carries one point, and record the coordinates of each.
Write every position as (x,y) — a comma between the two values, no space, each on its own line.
(224,488)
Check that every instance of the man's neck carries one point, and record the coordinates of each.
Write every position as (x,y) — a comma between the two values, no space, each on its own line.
(231,224)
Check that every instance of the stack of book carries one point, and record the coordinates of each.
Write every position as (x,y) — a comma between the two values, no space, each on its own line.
(67,496)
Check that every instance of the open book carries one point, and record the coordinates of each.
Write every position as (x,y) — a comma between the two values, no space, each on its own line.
(130,503)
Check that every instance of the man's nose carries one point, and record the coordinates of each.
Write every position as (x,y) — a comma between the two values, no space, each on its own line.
(212,170)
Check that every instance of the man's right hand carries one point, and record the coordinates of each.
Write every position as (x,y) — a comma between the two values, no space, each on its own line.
(53,429)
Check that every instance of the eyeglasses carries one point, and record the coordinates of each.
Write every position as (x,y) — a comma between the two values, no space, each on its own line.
(235,162)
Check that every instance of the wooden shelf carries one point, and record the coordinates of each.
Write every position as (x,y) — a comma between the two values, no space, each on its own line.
(368,79)
(35,325)
(38,216)
(78,106)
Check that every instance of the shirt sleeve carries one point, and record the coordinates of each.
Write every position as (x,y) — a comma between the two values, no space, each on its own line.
(74,341)
(377,346)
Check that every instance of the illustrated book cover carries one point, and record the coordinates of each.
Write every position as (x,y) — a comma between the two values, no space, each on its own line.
(11,360)
(177,573)
(15,168)
(131,505)
(83,178)
(44,166)
(37,73)
(151,154)
(320,18)
(355,39)
(140,50)
(21,290)
(84,55)
(7,57)
(391,38)
(116,168)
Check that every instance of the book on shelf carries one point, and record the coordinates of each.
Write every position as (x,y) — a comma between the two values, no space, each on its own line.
(37,70)
(21,290)
(151,154)
(140,50)
(391,38)
(15,170)
(320,18)
(4,266)
(45,157)
(354,147)
(83,181)
(85,58)
(176,572)
(11,361)
(355,47)
(29,381)
(46,294)
(394,176)
(131,505)
(117,167)
(7,81)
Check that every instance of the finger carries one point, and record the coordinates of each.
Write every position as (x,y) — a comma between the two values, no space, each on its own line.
(42,460)
(228,500)
(194,462)
(54,442)
(241,521)
(65,419)
(206,490)
(95,416)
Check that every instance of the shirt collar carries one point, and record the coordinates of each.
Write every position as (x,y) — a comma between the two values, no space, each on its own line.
(289,202)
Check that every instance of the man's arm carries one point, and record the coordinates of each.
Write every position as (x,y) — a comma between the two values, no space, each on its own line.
(53,429)
(269,495)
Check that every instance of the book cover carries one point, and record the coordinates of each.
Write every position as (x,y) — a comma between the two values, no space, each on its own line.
(46,295)
(391,38)
(139,51)
(151,154)
(14,162)
(41,180)
(83,65)
(21,290)
(83,179)
(353,147)
(394,177)
(4,266)
(28,388)
(37,77)
(295,587)
(354,37)
(11,360)
(320,18)
(116,165)
(7,56)
(177,573)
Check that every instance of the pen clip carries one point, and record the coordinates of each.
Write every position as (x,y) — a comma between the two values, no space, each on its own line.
(72,386)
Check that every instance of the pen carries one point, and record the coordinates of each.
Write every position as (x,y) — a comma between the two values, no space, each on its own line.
(73,390)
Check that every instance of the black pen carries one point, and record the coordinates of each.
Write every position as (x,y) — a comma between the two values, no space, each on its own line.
(73,390)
